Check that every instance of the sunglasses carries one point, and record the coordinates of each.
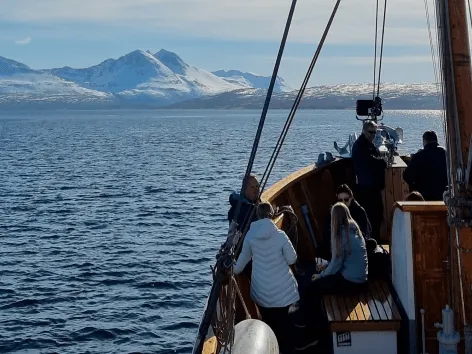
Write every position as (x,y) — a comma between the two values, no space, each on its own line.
(371,132)
(345,200)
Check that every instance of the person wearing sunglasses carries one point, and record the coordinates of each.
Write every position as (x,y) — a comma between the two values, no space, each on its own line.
(344,195)
(369,168)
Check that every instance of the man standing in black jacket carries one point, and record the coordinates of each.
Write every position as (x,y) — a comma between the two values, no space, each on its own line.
(249,202)
(427,170)
(369,169)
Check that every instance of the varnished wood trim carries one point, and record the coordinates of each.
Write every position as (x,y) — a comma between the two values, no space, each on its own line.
(279,187)
(210,346)
(329,309)
(421,206)
(336,312)
(276,189)
(398,162)
(306,193)
(279,220)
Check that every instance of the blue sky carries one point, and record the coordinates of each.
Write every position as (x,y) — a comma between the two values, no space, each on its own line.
(221,34)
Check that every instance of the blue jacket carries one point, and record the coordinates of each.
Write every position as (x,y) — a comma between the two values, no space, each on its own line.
(353,264)
(427,172)
(246,208)
(369,167)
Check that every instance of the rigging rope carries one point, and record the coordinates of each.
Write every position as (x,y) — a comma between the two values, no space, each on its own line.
(223,320)
(374,93)
(381,46)
(298,99)
(440,93)
(375,45)
(225,255)
(470,13)
(431,44)
(290,117)
(270,90)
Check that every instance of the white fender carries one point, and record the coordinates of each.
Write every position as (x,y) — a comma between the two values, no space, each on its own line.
(255,337)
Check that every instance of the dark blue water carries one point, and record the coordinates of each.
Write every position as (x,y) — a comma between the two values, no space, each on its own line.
(109,221)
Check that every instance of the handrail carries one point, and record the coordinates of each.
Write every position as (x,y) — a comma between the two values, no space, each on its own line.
(282,185)
(420,207)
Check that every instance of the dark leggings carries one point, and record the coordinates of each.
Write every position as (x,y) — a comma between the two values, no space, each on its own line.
(277,319)
(371,201)
(329,285)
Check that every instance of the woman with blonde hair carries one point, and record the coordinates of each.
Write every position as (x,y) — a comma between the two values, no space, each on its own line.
(345,274)
(348,266)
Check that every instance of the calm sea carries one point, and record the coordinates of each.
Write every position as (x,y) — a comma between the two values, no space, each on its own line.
(110,220)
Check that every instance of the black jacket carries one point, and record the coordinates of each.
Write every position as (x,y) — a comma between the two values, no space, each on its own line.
(360,217)
(247,207)
(369,167)
(427,172)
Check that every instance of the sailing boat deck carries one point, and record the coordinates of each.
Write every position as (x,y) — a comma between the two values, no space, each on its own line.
(430,267)
(376,310)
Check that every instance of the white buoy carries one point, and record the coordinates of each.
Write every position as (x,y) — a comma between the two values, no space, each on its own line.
(447,336)
(255,337)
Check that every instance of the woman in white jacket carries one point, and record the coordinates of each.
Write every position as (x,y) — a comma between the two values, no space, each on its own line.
(273,285)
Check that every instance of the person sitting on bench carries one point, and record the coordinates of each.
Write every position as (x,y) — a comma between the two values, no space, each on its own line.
(345,195)
(346,274)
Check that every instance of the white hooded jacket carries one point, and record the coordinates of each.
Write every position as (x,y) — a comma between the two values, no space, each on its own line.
(272,283)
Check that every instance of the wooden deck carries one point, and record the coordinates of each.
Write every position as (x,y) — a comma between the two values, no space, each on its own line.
(372,310)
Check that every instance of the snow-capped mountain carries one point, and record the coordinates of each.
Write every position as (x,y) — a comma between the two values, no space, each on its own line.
(10,67)
(142,79)
(163,78)
(20,84)
(394,96)
(251,80)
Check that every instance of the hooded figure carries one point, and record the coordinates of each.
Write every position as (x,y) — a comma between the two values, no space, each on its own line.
(272,281)
(273,285)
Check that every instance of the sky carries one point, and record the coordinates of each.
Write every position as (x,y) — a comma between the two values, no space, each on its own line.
(222,34)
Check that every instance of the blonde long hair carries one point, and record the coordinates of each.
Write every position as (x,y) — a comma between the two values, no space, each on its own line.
(341,222)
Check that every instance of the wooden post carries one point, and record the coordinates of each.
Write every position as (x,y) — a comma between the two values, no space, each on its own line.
(461,85)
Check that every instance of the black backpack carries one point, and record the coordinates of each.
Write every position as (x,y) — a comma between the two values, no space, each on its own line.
(378,260)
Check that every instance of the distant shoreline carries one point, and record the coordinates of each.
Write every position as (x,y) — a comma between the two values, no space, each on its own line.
(51,108)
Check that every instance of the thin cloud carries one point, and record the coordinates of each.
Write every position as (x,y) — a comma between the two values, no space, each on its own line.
(23,41)
(406,59)
(353,60)
(247,20)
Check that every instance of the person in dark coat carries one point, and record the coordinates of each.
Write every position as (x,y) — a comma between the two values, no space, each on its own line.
(344,194)
(249,202)
(427,170)
(414,197)
(369,168)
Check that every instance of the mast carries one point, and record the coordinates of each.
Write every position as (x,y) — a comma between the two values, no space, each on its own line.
(457,91)
(458,60)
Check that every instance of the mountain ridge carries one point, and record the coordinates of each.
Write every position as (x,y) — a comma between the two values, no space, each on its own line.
(164,79)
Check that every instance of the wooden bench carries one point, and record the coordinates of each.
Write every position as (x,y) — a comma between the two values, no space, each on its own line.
(364,323)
